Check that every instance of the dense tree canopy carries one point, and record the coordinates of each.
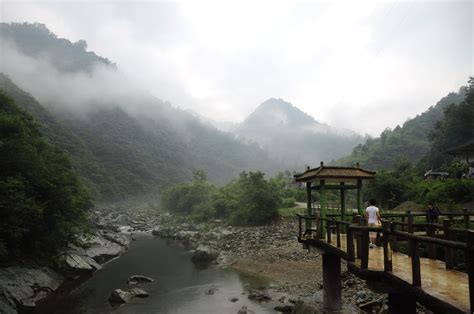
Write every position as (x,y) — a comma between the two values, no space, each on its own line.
(247,200)
(42,203)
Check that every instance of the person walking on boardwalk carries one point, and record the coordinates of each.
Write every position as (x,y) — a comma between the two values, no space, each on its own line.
(372,214)
(432,213)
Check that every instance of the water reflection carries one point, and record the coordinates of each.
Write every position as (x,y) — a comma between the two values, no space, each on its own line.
(179,286)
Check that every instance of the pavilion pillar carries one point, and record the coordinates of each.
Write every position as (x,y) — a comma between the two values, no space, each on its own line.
(322,214)
(309,203)
(359,197)
(332,283)
(343,202)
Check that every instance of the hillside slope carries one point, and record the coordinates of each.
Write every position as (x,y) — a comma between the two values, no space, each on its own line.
(123,142)
(410,141)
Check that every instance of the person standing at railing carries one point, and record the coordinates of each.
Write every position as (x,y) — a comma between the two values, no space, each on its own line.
(372,215)
(432,213)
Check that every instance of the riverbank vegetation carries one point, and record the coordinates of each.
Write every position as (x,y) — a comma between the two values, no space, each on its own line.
(42,203)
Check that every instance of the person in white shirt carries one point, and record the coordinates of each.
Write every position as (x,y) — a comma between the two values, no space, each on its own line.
(372,214)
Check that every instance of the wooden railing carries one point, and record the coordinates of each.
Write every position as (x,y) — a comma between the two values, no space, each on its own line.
(357,242)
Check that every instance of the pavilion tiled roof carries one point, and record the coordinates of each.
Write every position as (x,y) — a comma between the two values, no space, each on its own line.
(332,172)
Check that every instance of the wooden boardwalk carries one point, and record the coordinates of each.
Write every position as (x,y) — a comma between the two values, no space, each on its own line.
(448,285)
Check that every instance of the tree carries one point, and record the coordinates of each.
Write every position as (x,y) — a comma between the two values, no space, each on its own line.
(257,200)
(42,203)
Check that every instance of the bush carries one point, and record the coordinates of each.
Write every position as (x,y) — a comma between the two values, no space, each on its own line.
(288,202)
(248,200)
(194,199)
(449,191)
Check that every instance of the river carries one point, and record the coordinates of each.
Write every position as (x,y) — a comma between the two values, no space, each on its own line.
(179,286)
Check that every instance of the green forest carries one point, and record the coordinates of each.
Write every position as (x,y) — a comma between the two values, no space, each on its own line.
(56,163)
(43,205)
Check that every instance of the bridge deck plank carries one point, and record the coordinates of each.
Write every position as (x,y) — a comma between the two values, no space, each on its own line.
(448,285)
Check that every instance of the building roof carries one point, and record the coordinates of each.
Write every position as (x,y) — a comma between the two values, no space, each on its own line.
(466,147)
(332,172)
(434,172)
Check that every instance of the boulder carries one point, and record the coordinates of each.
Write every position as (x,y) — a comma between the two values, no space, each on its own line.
(140,293)
(25,286)
(119,238)
(138,279)
(204,254)
(120,296)
(74,263)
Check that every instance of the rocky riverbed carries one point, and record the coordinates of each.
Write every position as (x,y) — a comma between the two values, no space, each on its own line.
(267,252)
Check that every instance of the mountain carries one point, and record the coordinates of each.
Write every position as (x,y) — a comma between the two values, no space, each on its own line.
(294,137)
(37,41)
(411,141)
(123,142)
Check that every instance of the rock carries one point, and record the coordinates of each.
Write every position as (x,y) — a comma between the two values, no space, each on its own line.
(140,293)
(119,238)
(234,299)
(204,254)
(302,308)
(243,310)
(120,296)
(6,308)
(284,308)
(259,296)
(124,229)
(101,253)
(211,291)
(25,286)
(138,279)
(74,263)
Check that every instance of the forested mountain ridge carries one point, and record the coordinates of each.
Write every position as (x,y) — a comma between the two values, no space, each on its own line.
(37,41)
(410,141)
(294,137)
(125,144)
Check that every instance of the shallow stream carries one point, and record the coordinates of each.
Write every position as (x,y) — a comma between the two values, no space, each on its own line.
(179,286)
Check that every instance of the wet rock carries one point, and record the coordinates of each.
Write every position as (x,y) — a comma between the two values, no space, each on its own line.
(140,293)
(204,254)
(119,238)
(234,299)
(25,286)
(74,263)
(120,296)
(139,279)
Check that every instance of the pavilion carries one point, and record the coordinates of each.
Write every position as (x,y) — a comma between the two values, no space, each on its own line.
(326,178)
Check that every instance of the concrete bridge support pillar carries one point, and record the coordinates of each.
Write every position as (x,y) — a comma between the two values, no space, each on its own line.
(401,303)
(332,283)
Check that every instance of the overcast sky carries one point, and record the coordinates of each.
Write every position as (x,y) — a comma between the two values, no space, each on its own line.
(358,65)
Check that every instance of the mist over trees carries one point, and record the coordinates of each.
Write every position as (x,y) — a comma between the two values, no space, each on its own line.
(411,141)
(402,179)
(123,142)
(42,203)
(293,137)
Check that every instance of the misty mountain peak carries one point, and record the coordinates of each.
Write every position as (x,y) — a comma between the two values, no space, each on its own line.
(276,111)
